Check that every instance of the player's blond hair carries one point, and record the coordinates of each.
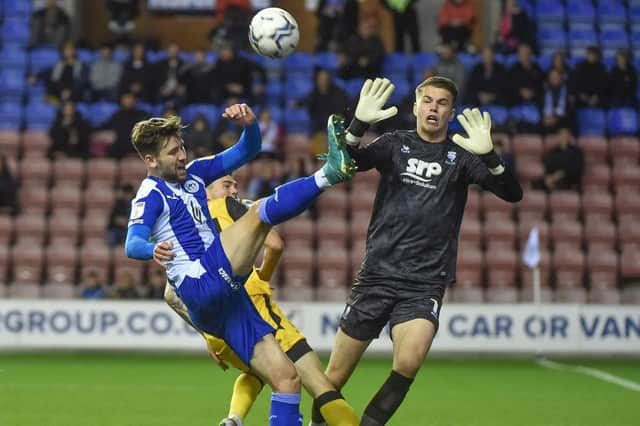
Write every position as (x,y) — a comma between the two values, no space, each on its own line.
(441,83)
(149,136)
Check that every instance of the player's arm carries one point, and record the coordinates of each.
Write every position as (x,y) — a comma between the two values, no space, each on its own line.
(175,303)
(273,248)
(144,213)
(493,174)
(245,150)
(369,110)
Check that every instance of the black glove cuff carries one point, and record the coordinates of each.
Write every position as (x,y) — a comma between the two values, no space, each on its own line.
(357,128)
(491,159)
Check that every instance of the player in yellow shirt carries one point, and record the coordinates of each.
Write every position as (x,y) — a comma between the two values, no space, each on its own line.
(225,208)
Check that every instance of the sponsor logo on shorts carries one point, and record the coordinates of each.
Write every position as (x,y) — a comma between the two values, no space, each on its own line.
(234,285)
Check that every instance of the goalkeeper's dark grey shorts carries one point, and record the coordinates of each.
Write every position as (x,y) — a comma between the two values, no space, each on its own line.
(370,307)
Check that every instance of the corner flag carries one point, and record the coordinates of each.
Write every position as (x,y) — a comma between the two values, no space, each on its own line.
(531,254)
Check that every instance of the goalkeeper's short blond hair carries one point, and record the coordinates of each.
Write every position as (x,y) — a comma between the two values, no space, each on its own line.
(149,136)
(441,83)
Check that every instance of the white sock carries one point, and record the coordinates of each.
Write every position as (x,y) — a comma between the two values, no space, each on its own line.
(321,179)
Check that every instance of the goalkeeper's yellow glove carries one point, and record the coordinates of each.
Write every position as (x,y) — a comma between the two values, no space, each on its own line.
(478,140)
(373,95)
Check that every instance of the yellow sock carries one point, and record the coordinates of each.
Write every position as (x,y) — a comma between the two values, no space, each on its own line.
(245,391)
(339,413)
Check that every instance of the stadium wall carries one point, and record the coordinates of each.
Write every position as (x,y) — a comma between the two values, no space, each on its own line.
(465,329)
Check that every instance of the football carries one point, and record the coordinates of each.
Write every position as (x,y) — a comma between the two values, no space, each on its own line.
(273,33)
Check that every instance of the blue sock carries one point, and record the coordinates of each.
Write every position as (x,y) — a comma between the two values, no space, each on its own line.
(289,200)
(285,409)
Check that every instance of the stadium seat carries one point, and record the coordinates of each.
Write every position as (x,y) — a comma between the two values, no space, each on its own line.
(67,199)
(58,290)
(86,56)
(630,295)
(501,294)
(362,200)
(396,66)
(625,146)
(626,177)
(39,116)
(95,257)
(597,204)
(604,296)
(529,169)
(61,264)
(299,65)
(470,268)
(595,149)
(422,61)
(353,87)
(333,267)
(469,60)
(10,116)
(495,208)
(402,90)
(499,114)
(34,200)
(299,228)
(331,294)
(526,113)
(366,181)
(326,60)
(296,120)
(551,39)
(68,171)
(611,11)
(567,235)
(122,263)
(6,234)
(102,170)
(332,231)
(596,178)
(35,171)
(15,31)
(473,207)
(274,91)
(24,291)
(334,203)
(501,268)
(299,258)
(10,143)
(101,112)
(30,228)
(467,295)
(591,121)
(602,267)
(628,232)
(622,121)
(12,85)
(27,263)
(297,285)
(500,234)
(296,89)
(564,204)
(359,226)
(35,143)
(131,170)
(582,37)
(569,268)
(533,206)
(600,234)
(42,59)
(549,11)
(580,11)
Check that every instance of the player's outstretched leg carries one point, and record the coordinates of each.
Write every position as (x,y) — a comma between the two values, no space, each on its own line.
(296,196)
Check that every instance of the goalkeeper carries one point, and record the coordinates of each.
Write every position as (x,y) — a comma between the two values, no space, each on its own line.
(225,209)
(413,234)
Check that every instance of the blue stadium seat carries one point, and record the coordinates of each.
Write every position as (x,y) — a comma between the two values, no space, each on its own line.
(154,56)
(211,57)
(274,68)
(353,87)
(276,112)
(43,58)
(187,57)
(39,116)
(326,60)
(86,56)
(582,38)
(525,113)
(121,55)
(36,92)
(591,122)
(299,65)
(402,89)
(296,120)
(273,92)
(12,85)
(15,31)
(421,62)
(396,66)
(622,121)
(10,116)
(297,89)
(614,39)
(13,58)
(210,111)
(610,11)
(528,7)
(146,107)
(580,11)
(84,109)
(634,12)
(549,11)
(101,112)
(544,62)
(468,60)
(551,39)
(499,114)
(635,37)
(18,8)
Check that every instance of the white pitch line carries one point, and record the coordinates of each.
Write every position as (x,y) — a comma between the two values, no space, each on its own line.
(593,372)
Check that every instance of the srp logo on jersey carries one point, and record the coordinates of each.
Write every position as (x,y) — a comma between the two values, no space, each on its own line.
(422,170)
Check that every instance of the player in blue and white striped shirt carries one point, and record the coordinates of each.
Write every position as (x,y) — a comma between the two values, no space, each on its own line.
(170,223)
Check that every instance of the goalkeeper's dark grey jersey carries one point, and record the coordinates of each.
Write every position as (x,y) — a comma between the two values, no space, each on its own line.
(413,232)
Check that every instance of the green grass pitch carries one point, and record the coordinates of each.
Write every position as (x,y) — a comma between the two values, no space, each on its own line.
(120,389)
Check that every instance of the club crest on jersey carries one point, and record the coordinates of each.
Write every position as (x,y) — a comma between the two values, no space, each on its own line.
(451,158)
(405,149)
(191,186)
